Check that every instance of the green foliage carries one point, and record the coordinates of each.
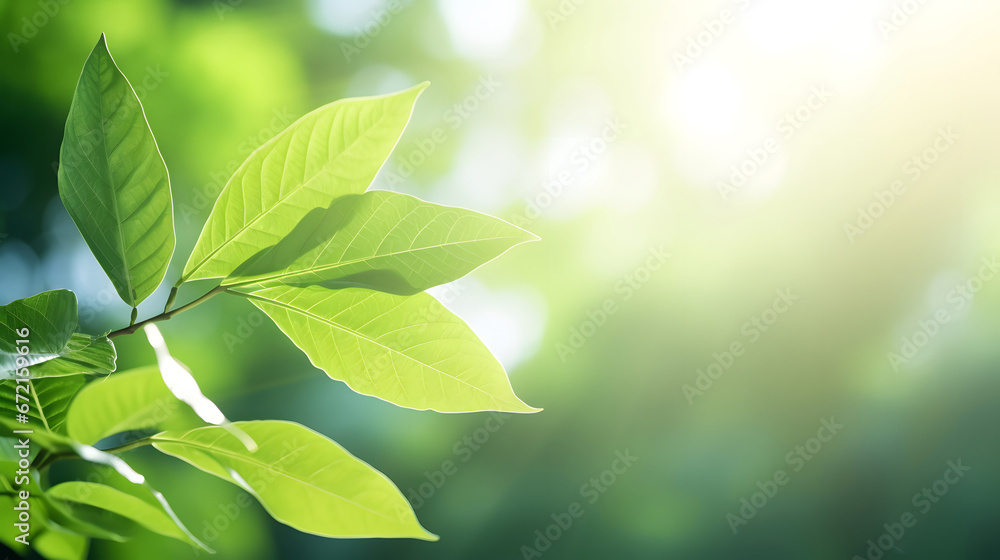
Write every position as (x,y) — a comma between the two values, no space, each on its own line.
(410,351)
(56,349)
(127,401)
(331,152)
(113,180)
(104,497)
(340,271)
(302,478)
(383,241)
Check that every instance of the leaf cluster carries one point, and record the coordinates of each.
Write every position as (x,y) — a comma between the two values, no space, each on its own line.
(340,269)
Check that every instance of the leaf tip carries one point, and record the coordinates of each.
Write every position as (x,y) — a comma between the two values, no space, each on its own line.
(428,536)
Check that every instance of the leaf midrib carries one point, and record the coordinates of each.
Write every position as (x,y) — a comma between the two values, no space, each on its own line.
(334,266)
(114,195)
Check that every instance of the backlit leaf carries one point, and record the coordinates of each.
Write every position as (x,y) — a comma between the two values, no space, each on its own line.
(333,151)
(384,241)
(302,478)
(410,351)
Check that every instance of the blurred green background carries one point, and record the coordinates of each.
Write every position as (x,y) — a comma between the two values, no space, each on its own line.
(692,167)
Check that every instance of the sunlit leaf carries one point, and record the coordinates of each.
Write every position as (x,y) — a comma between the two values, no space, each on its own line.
(302,478)
(385,241)
(83,354)
(113,181)
(333,151)
(130,400)
(410,351)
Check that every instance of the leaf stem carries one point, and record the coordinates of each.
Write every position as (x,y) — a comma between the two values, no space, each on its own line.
(170,299)
(130,445)
(166,314)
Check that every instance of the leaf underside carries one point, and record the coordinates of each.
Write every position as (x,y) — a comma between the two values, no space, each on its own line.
(113,181)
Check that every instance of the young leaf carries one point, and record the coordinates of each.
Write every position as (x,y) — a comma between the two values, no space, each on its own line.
(385,241)
(332,151)
(302,478)
(126,505)
(410,351)
(48,401)
(131,400)
(113,181)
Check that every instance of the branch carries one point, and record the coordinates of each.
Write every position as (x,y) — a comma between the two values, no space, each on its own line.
(166,314)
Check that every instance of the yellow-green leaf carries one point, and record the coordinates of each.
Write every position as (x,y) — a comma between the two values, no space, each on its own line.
(333,151)
(301,478)
(384,241)
(408,350)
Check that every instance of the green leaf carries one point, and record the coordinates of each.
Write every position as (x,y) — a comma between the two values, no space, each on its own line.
(83,354)
(50,319)
(48,401)
(65,446)
(150,516)
(113,181)
(385,241)
(58,544)
(333,151)
(53,348)
(131,400)
(410,351)
(302,478)
(40,437)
